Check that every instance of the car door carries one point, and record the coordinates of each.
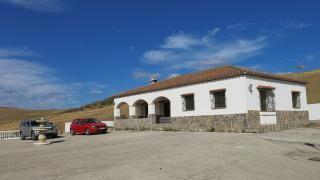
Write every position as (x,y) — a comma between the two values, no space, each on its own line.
(22,129)
(75,126)
(82,126)
(26,129)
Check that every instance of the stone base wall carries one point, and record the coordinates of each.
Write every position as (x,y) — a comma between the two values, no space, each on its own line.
(133,124)
(219,123)
(252,120)
(248,122)
(292,117)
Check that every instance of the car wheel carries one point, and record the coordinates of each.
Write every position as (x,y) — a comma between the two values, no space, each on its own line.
(54,136)
(87,132)
(72,132)
(33,136)
(22,137)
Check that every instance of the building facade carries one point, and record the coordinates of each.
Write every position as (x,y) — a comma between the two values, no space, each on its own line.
(221,99)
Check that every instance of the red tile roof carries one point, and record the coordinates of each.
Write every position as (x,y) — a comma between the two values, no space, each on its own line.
(205,76)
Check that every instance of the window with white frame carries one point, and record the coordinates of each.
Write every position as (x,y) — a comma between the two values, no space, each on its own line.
(187,102)
(296,99)
(218,99)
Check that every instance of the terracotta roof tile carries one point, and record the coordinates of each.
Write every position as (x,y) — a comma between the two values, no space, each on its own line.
(204,76)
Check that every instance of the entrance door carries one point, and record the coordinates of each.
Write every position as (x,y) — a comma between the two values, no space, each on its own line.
(166,109)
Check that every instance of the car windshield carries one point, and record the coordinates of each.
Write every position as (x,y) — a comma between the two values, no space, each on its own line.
(34,123)
(91,120)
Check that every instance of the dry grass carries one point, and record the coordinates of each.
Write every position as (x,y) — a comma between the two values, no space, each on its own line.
(11,117)
(313,86)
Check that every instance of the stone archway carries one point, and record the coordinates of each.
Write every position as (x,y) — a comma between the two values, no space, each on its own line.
(141,108)
(122,111)
(162,109)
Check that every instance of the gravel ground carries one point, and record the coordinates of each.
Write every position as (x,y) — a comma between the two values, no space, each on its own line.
(165,155)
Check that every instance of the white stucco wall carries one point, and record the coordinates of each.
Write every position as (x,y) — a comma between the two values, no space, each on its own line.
(235,94)
(314,111)
(282,92)
(239,98)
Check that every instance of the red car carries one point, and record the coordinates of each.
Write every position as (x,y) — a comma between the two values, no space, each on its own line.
(87,126)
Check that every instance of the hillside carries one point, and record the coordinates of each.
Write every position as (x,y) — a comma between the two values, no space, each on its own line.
(11,117)
(313,86)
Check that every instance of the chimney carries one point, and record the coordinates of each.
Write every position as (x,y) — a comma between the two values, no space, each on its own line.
(153,80)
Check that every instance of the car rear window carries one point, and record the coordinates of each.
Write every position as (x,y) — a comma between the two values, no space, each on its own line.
(91,120)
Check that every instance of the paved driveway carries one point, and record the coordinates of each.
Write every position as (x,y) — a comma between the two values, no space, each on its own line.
(165,155)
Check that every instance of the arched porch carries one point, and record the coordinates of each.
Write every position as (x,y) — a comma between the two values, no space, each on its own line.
(162,110)
(141,108)
(121,111)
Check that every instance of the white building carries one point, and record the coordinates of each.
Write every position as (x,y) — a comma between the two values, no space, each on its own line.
(225,98)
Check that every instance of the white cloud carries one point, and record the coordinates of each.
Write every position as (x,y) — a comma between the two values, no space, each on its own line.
(158,56)
(227,54)
(173,75)
(270,27)
(240,26)
(181,41)
(38,5)
(210,34)
(310,57)
(95,91)
(214,31)
(30,85)
(145,76)
(26,84)
(297,25)
(207,53)
(96,88)
(15,52)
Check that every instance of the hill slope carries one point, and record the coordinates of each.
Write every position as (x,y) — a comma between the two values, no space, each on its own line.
(11,117)
(313,86)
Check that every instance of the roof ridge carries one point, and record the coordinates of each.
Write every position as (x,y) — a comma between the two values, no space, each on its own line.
(211,74)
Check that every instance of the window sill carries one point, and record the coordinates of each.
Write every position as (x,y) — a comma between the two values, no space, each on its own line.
(267,113)
(188,110)
(219,108)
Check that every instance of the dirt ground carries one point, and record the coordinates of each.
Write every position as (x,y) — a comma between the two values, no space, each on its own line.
(165,155)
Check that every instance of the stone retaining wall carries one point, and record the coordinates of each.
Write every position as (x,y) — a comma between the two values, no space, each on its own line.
(292,117)
(133,124)
(248,122)
(220,123)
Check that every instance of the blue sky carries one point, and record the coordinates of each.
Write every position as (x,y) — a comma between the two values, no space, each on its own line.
(64,53)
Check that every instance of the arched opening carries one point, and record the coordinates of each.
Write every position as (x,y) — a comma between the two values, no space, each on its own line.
(124,110)
(162,110)
(141,108)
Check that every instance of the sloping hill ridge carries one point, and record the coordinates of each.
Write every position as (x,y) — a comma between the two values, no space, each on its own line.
(11,117)
(313,86)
